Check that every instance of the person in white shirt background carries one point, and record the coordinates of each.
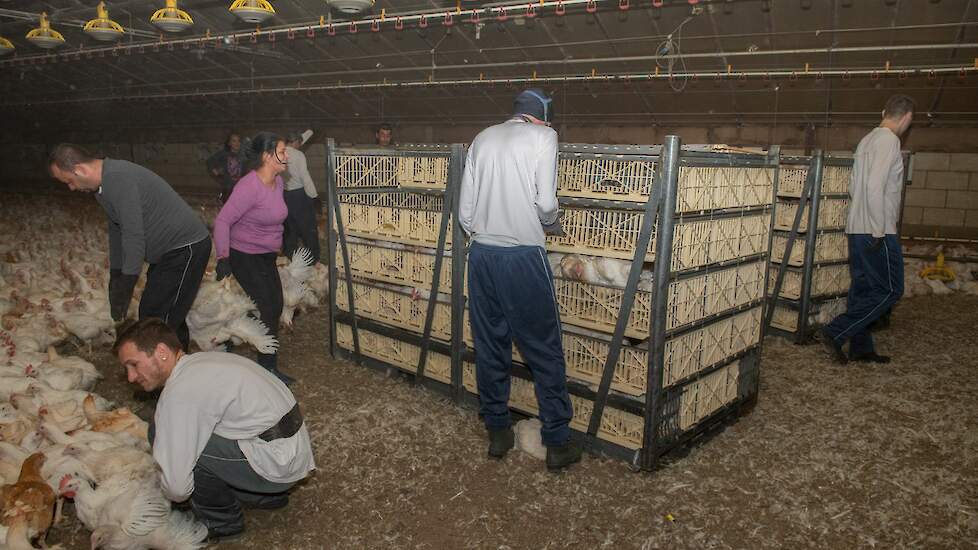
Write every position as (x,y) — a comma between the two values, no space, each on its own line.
(875,255)
(226,432)
(508,201)
(300,194)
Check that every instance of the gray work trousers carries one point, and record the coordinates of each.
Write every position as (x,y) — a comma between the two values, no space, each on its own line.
(224,482)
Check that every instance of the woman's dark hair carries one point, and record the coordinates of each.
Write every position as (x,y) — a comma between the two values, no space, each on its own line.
(263,142)
(227,140)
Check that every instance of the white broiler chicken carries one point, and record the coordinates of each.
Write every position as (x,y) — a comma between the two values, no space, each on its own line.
(137,507)
(612,271)
(180,532)
(294,276)
(243,329)
(90,440)
(121,461)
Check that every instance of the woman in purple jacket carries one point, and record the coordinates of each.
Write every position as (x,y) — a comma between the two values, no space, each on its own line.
(248,235)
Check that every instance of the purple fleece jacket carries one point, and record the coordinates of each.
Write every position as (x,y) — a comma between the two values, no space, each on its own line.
(251,220)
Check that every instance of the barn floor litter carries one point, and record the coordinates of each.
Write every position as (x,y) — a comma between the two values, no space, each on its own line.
(865,456)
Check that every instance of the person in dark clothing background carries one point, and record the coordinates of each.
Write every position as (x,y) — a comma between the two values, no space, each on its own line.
(148,221)
(300,197)
(226,166)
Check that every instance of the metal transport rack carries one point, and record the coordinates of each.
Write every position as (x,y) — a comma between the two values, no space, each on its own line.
(663,353)
(810,251)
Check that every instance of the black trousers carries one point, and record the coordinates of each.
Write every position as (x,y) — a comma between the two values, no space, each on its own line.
(258,276)
(301,224)
(172,285)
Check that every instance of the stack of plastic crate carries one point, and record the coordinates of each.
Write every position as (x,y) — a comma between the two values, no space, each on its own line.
(391,204)
(816,274)
(719,254)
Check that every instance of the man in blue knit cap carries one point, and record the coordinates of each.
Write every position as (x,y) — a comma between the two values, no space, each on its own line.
(508,203)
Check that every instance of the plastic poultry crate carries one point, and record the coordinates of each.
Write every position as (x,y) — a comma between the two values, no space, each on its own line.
(791,181)
(397,307)
(612,178)
(395,352)
(408,218)
(391,171)
(832,214)
(397,264)
(704,242)
(701,398)
(827,280)
(835,179)
(685,354)
(704,188)
(614,234)
(829,247)
(690,299)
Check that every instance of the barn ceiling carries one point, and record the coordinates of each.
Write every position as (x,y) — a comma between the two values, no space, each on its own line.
(607,62)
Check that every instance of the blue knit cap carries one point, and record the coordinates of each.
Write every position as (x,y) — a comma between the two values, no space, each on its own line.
(536,103)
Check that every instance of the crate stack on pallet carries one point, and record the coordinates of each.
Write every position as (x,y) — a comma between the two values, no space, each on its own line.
(677,363)
(816,273)
(391,204)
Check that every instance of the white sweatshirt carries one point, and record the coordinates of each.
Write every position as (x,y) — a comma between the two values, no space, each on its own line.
(509,187)
(233,397)
(876,185)
(298,173)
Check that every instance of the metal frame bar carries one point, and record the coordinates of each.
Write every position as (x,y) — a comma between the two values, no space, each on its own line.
(653,208)
(459,254)
(452,188)
(669,168)
(811,237)
(334,199)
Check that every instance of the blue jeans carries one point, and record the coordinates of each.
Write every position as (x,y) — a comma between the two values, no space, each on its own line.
(511,296)
(877,284)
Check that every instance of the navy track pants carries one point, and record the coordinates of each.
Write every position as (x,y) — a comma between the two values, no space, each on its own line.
(511,297)
(877,284)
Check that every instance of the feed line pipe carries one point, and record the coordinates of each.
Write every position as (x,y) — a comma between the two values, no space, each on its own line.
(630,77)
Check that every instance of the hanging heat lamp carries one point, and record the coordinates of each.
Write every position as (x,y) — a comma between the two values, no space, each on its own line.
(102,28)
(44,36)
(5,46)
(350,7)
(252,11)
(171,18)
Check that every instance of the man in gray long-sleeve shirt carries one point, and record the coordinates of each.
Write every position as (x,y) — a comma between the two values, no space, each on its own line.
(507,202)
(148,221)
(875,256)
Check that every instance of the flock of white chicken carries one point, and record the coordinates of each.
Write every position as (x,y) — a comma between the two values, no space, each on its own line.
(53,291)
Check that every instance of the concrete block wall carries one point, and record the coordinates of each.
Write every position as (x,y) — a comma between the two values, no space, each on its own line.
(943,198)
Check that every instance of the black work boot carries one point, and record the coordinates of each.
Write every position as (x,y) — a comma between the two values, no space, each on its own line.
(500,442)
(562,456)
(870,357)
(834,349)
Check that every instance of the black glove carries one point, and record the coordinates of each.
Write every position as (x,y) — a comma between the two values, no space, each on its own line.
(120,293)
(876,245)
(223,268)
(555,228)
